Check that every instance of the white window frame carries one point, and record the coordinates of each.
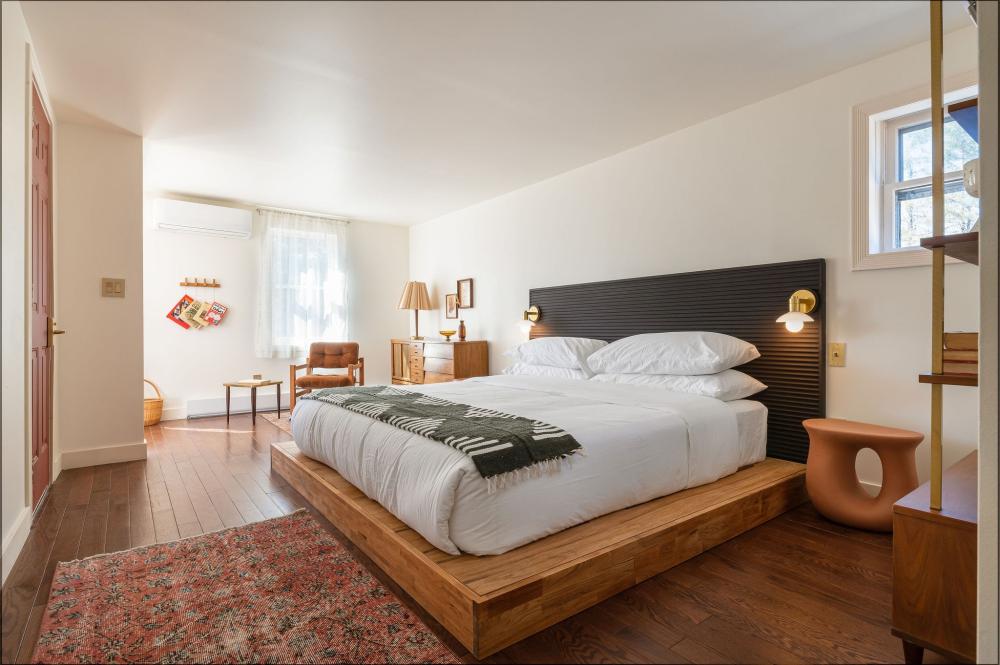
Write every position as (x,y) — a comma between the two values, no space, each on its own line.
(873,175)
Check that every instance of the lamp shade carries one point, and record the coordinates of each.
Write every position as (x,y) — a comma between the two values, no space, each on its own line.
(415,297)
(795,321)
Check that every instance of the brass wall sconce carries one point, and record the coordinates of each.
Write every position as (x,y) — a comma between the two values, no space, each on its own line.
(800,304)
(529,317)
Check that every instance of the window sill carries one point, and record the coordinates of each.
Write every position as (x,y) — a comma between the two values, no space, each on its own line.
(907,258)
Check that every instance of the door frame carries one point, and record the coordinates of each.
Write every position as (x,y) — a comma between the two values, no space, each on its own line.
(34,81)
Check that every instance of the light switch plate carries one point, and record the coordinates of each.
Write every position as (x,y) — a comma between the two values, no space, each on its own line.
(836,354)
(112,287)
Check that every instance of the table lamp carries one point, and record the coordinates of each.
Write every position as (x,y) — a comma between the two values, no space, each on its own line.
(415,297)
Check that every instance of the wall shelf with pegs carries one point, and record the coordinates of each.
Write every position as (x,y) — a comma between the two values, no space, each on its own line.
(201,282)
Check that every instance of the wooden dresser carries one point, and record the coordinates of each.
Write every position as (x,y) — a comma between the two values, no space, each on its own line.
(934,567)
(436,361)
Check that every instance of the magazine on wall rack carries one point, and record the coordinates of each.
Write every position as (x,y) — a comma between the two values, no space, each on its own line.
(190,314)
(175,313)
(214,314)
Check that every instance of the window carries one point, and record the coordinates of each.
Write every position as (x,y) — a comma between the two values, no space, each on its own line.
(906,188)
(892,179)
(302,294)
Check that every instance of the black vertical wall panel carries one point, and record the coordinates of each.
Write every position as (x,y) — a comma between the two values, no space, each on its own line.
(743,302)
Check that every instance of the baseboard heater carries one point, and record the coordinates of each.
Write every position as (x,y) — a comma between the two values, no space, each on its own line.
(216,406)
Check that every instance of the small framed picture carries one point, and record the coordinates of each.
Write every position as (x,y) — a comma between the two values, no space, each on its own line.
(465,293)
(451,306)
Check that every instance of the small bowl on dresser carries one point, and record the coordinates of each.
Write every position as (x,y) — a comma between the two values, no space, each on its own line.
(447,334)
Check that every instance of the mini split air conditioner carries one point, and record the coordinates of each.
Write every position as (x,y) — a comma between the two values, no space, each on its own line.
(211,220)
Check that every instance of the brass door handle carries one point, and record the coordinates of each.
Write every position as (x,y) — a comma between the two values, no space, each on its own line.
(53,331)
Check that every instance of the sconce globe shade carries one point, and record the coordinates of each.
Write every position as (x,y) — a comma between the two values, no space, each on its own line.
(794,326)
(526,326)
(794,321)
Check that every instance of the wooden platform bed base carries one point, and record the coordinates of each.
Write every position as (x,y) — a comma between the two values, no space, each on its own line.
(491,602)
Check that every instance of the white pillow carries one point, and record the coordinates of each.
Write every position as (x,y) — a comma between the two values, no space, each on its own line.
(683,353)
(524,369)
(727,385)
(568,352)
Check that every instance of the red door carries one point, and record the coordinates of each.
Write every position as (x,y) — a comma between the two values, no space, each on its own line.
(41,299)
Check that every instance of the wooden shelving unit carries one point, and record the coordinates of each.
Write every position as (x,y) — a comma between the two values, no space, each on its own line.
(961,246)
(934,552)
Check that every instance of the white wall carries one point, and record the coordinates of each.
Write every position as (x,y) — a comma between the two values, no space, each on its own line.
(768,182)
(191,365)
(988,396)
(13,244)
(98,234)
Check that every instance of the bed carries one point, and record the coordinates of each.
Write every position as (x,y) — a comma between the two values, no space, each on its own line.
(640,443)
(663,478)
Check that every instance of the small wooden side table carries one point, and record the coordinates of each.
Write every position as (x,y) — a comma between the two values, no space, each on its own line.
(253,386)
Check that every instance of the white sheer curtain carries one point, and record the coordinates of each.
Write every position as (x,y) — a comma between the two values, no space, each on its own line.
(302,292)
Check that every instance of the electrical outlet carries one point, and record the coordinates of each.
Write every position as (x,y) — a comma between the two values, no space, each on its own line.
(837,354)
(112,287)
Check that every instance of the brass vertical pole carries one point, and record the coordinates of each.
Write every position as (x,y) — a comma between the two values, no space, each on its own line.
(937,263)
(936,462)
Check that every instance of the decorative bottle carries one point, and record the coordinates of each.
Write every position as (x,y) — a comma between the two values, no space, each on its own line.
(461,330)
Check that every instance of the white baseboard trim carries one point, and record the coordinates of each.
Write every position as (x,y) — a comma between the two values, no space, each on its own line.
(126,452)
(15,539)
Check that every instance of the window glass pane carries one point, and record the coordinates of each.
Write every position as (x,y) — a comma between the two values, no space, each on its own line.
(915,152)
(958,147)
(913,213)
(915,149)
(302,287)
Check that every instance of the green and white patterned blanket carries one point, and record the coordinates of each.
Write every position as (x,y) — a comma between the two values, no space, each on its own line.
(505,448)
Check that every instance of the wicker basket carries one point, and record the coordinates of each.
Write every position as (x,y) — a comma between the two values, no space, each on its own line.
(152,407)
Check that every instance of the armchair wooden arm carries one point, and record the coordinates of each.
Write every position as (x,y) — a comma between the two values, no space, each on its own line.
(357,372)
(294,392)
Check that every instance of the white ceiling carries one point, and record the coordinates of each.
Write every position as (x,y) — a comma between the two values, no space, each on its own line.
(400,112)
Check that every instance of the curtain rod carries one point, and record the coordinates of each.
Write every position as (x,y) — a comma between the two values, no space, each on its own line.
(305,213)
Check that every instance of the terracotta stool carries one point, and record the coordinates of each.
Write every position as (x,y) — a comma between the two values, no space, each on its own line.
(832,481)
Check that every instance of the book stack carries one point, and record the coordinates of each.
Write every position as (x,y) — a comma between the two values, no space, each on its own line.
(961,353)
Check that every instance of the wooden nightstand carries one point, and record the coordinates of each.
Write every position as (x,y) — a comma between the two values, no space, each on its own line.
(418,361)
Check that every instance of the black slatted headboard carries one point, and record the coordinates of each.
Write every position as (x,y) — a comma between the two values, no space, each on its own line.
(742,302)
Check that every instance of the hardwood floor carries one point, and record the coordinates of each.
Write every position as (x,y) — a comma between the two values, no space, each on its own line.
(797,589)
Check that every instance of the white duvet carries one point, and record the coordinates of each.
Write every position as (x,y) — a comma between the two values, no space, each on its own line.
(638,444)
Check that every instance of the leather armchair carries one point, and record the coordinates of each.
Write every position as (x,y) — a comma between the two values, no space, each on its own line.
(327,355)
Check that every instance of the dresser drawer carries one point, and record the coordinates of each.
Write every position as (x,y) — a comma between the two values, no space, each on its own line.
(435,377)
(439,351)
(440,365)
(416,350)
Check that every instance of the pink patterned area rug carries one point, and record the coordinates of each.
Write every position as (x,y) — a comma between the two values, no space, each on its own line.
(283,423)
(279,591)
